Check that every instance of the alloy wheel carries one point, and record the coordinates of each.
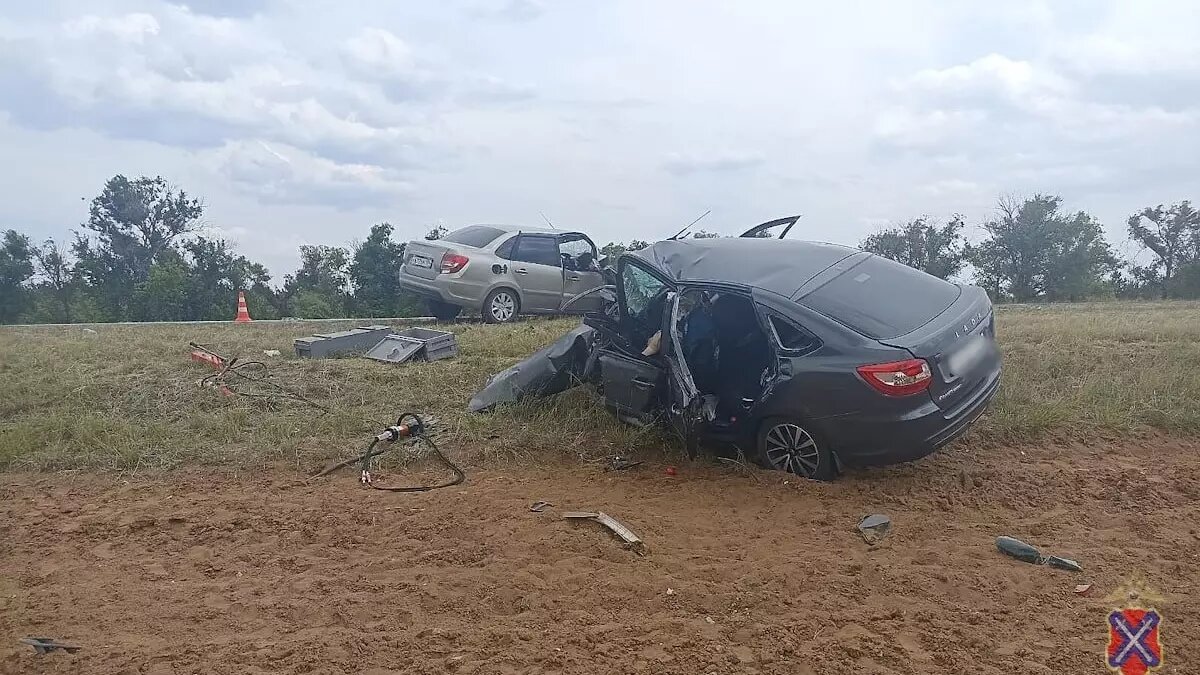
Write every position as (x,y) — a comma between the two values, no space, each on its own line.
(789,447)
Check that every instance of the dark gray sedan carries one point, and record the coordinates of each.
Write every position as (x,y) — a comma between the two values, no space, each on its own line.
(808,356)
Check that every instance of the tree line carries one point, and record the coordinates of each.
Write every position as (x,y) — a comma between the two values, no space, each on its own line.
(141,256)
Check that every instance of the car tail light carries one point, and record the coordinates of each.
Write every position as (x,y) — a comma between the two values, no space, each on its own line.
(898,378)
(453,262)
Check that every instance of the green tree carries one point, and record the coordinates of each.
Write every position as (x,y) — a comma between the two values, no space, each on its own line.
(1173,235)
(130,223)
(309,303)
(323,275)
(436,233)
(375,275)
(704,234)
(57,285)
(16,267)
(164,294)
(1033,251)
(940,251)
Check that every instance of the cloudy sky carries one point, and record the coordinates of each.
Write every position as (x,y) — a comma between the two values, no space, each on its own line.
(305,121)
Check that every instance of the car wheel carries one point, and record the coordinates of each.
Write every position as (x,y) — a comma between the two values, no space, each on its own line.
(792,446)
(443,311)
(501,306)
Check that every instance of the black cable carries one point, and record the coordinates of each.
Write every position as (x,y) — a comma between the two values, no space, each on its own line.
(419,435)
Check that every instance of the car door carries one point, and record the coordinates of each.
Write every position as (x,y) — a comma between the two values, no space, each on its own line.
(631,382)
(763,230)
(581,274)
(537,267)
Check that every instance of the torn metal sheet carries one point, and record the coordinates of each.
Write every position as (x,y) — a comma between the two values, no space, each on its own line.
(45,645)
(874,527)
(1030,554)
(395,349)
(631,540)
(556,368)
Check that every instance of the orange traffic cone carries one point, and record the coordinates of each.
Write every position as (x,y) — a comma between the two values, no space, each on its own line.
(243,315)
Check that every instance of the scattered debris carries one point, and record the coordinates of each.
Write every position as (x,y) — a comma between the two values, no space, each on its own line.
(874,527)
(539,506)
(200,354)
(1063,563)
(558,367)
(631,540)
(670,591)
(1083,589)
(45,645)
(395,349)
(671,471)
(416,342)
(88,331)
(1022,551)
(709,620)
(271,352)
(621,462)
(325,345)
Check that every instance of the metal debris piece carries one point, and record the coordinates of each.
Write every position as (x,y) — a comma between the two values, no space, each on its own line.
(874,527)
(45,645)
(1063,563)
(395,349)
(325,345)
(631,540)
(539,506)
(1022,551)
(620,462)
(1083,589)
(1019,550)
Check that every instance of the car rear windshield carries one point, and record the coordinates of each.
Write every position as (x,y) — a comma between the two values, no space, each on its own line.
(474,235)
(882,299)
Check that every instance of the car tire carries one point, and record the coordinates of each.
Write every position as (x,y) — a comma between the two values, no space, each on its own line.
(792,445)
(501,306)
(443,311)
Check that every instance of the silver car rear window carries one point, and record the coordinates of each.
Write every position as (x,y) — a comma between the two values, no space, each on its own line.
(474,235)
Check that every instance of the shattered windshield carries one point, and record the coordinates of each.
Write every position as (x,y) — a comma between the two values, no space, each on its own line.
(640,288)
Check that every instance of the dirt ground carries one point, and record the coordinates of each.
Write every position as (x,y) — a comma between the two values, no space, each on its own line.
(208,572)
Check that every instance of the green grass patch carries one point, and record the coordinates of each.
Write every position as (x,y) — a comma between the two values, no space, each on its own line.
(127,398)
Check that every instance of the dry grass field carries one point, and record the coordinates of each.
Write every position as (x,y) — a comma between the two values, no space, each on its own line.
(126,397)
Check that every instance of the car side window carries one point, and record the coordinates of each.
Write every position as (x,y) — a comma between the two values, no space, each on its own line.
(537,250)
(505,250)
(791,337)
(640,288)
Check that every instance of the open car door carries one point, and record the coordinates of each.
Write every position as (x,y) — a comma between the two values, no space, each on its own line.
(763,231)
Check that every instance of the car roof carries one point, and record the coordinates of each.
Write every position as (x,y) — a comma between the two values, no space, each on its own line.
(510,229)
(778,265)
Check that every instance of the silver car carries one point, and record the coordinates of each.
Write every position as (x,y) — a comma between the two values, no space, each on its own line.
(503,272)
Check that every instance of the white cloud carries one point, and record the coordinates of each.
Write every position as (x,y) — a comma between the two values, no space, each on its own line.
(132,28)
(375,52)
(301,117)
(282,174)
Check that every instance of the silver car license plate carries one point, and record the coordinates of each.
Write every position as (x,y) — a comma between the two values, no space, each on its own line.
(421,261)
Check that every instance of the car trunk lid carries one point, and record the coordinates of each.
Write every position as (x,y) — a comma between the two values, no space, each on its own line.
(423,259)
(960,346)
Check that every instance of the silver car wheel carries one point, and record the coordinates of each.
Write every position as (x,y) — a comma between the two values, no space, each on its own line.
(790,448)
(503,306)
